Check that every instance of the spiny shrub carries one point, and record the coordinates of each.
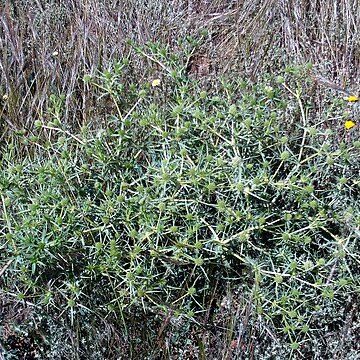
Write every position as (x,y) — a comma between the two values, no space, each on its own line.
(181,188)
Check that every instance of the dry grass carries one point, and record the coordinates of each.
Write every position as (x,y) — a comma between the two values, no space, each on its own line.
(47,47)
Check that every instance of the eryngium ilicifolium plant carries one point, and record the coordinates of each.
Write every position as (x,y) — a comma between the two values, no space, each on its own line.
(182,188)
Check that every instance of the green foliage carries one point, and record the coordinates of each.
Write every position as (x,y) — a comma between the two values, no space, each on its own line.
(181,188)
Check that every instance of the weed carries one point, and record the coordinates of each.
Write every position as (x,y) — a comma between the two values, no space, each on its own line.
(182,188)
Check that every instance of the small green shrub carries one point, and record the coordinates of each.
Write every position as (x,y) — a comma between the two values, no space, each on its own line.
(182,188)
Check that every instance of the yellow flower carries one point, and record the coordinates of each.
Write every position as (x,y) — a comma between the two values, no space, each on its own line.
(352,98)
(349,124)
(55,53)
(155,82)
